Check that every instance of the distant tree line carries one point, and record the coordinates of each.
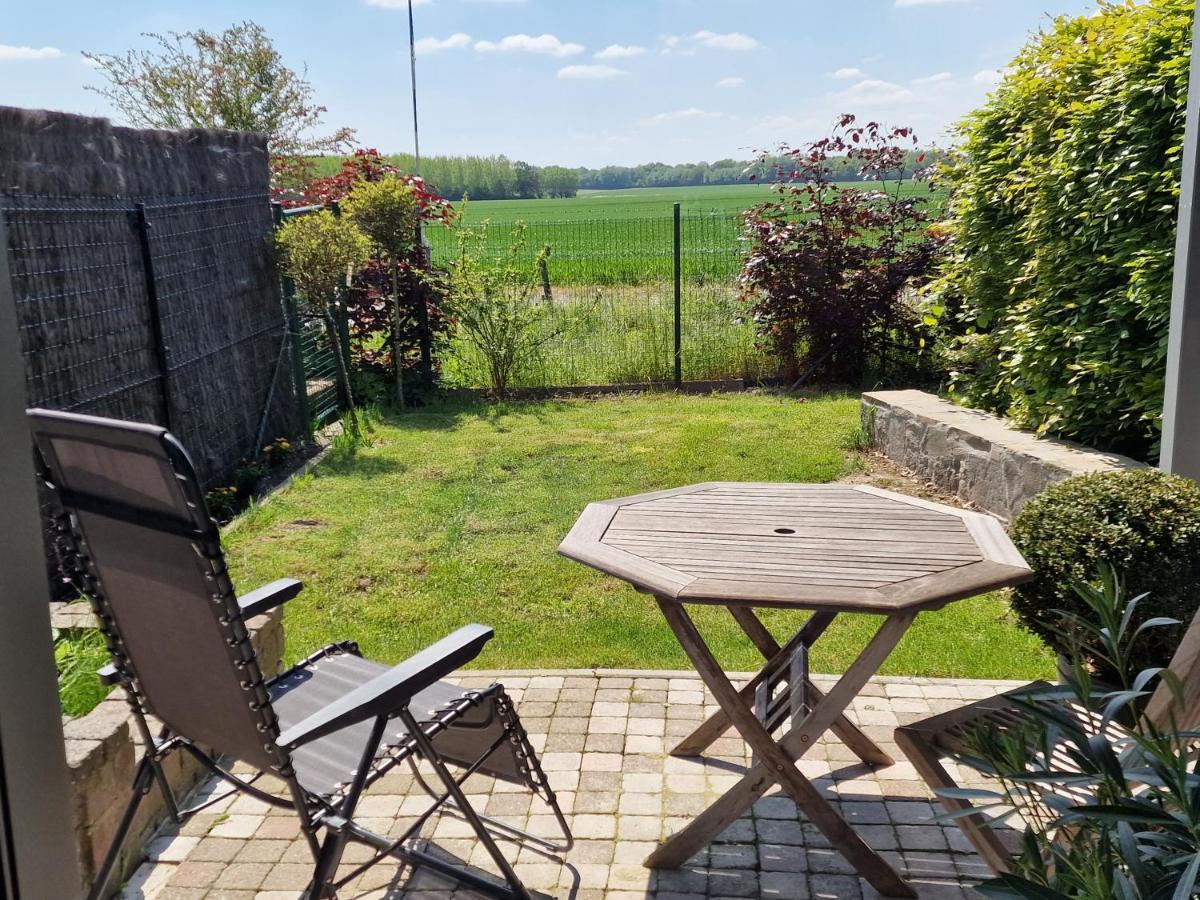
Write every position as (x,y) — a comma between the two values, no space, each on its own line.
(723,171)
(483,177)
(501,178)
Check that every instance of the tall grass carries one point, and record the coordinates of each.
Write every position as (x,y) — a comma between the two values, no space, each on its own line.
(77,656)
(623,334)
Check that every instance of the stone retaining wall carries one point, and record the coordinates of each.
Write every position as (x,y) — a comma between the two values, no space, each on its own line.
(974,455)
(102,755)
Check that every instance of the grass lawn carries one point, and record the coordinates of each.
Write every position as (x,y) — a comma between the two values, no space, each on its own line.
(452,515)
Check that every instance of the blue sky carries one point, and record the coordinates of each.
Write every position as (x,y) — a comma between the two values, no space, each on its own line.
(575,83)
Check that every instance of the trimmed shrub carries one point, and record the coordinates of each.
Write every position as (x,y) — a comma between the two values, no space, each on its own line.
(1062,222)
(1144,523)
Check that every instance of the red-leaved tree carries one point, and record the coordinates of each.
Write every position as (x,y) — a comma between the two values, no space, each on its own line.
(829,265)
(423,318)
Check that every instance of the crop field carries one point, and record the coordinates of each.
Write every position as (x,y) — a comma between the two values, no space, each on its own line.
(632,203)
(642,203)
(624,237)
(610,251)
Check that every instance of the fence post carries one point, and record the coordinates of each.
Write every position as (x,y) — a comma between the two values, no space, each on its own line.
(160,348)
(424,332)
(678,302)
(295,336)
(341,321)
(343,330)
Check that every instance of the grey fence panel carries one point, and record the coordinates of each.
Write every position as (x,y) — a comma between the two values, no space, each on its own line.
(80,293)
(222,327)
(185,328)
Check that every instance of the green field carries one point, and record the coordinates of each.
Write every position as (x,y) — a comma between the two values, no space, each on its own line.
(633,203)
(625,237)
(639,203)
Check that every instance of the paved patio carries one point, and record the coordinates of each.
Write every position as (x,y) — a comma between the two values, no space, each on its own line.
(602,736)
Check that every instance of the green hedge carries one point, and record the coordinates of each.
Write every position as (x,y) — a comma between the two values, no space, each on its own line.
(1057,292)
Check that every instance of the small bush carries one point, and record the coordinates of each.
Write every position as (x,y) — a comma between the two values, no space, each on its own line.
(1144,523)
(829,267)
(498,315)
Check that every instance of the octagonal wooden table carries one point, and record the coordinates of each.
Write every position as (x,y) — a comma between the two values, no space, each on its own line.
(831,549)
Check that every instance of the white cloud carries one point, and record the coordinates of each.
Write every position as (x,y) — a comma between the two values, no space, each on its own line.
(9,52)
(939,78)
(847,73)
(678,115)
(732,82)
(872,90)
(546,44)
(620,51)
(432,45)
(987,78)
(733,40)
(926,2)
(590,72)
(688,44)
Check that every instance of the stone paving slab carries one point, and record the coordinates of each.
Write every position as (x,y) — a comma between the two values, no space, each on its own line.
(603,735)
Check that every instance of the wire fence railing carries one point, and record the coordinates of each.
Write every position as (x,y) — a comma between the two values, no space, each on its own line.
(627,301)
(161,310)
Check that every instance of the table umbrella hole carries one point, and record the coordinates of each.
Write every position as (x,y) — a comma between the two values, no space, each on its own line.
(785,530)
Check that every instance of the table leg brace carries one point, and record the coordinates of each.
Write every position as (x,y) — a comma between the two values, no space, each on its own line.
(777,760)
(716,725)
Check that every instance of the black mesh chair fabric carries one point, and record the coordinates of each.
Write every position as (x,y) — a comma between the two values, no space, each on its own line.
(135,528)
(473,724)
(136,499)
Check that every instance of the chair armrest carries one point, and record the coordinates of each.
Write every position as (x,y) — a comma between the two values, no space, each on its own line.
(269,596)
(391,691)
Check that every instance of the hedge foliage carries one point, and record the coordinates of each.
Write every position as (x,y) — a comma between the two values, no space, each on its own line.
(1144,523)
(1062,220)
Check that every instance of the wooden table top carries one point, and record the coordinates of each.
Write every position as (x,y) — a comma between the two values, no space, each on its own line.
(805,546)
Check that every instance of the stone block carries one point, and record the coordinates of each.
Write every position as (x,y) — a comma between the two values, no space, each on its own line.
(978,457)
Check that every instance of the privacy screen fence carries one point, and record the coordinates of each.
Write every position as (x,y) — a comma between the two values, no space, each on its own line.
(141,270)
(160,310)
(612,308)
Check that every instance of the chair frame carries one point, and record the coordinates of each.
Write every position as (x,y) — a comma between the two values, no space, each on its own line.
(384,697)
(1174,705)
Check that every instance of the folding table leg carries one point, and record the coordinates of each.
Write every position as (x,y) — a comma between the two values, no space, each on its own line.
(777,760)
(716,725)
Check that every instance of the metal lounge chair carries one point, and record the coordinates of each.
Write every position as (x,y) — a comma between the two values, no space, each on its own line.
(1174,706)
(133,529)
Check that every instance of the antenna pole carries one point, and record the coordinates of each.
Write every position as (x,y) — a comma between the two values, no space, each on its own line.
(412,66)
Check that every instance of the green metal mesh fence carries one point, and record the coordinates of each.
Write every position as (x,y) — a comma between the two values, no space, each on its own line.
(609,299)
